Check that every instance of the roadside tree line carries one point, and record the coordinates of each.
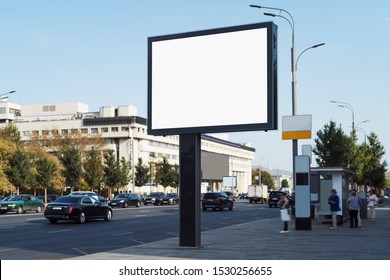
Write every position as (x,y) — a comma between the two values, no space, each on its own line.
(333,147)
(79,162)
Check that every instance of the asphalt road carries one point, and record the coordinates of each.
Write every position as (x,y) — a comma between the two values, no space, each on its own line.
(30,236)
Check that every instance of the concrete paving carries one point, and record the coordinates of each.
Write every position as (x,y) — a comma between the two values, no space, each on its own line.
(262,240)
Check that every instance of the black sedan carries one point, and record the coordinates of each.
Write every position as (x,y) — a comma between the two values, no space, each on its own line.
(77,207)
(125,199)
(170,199)
(216,200)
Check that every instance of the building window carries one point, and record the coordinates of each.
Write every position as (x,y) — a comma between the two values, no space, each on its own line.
(64,131)
(45,132)
(3,110)
(104,129)
(26,133)
(114,129)
(49,108)
(125,128)
(84,130)
(152,154)
(35,132)
(74,131)
(94,130)
(54,132)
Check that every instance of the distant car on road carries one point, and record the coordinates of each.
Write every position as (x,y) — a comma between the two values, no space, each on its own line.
(125,199)
(170,199)
(216,200)
(154,198)
(77,207)
(231,195)
(273,198)
(21,204)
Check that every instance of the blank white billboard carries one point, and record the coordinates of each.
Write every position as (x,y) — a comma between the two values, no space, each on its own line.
(216,80)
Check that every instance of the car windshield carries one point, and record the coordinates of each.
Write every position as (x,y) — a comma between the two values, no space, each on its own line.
(15,198)
(122,196)
(68,199)
(155,194)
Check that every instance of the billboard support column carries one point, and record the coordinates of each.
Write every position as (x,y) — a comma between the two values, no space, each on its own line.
(190,182)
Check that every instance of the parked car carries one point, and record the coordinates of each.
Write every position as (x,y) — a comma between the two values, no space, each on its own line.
(77,207)
(21,204)
(217,200)
(170,199)
(274,197)
(154,198)
(93,194)
(125,199)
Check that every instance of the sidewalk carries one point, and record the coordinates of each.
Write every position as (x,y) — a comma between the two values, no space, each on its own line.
(261,239)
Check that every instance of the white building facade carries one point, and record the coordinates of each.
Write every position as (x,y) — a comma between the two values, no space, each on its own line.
(126,133)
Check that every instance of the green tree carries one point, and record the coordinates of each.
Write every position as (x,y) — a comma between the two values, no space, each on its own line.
(7,148)
(333,147)
(70,158)
(124,169)
(164,173)
(375,167)
(93,169)
(19,170)
(266,178)
(10,132)
(142,174)
(111,172)
(175,177)
(285,184)
(46,172)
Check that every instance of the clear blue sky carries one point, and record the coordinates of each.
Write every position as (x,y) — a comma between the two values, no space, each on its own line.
(94,51)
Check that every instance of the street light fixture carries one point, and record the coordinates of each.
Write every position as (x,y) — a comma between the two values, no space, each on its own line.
(293,67)
(348,106)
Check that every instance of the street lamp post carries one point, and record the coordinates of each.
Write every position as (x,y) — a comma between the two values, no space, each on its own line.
(362,130)
(348,106)
(294,68)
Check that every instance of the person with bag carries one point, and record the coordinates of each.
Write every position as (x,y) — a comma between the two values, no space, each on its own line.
(284,206)
(372,203)
(354,205)
(334,203)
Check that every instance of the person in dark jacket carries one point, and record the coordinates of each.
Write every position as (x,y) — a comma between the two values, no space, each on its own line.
(284,204)
(334,202)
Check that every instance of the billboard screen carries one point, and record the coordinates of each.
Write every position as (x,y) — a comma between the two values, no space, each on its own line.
(217,80)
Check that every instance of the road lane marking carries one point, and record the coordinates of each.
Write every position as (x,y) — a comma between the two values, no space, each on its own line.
(136,241)
(172,233)
(137,216)
(119,234)
(58,231)
(8,249)
(35,219)
(9,227)
(80,251)
(144,211)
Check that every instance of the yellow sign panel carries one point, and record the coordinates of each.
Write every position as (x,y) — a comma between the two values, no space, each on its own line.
(291,135)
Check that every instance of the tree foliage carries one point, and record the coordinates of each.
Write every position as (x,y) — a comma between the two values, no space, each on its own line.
(266,178)
(142,174)
(70,158)
(164,173)
(11,133)
(332,146)
(19,170)
(93,169)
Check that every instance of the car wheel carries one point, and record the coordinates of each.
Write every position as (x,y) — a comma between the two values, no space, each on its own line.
(124,205)
(2,213)
(138,204)
(269,205)
(204,208)
(39,209)
(81,218)
(231,207)
(53,221)
(108,216)
(250,201)
(19,210)
(145,203)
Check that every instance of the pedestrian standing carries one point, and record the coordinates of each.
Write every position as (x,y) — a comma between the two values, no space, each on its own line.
(372,203)
(284,205)
(334,203)
(354,205)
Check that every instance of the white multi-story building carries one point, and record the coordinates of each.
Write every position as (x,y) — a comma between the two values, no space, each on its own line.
(126,133)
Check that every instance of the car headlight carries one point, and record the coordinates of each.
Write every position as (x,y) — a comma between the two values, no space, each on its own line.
(121,201)
(11,205)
